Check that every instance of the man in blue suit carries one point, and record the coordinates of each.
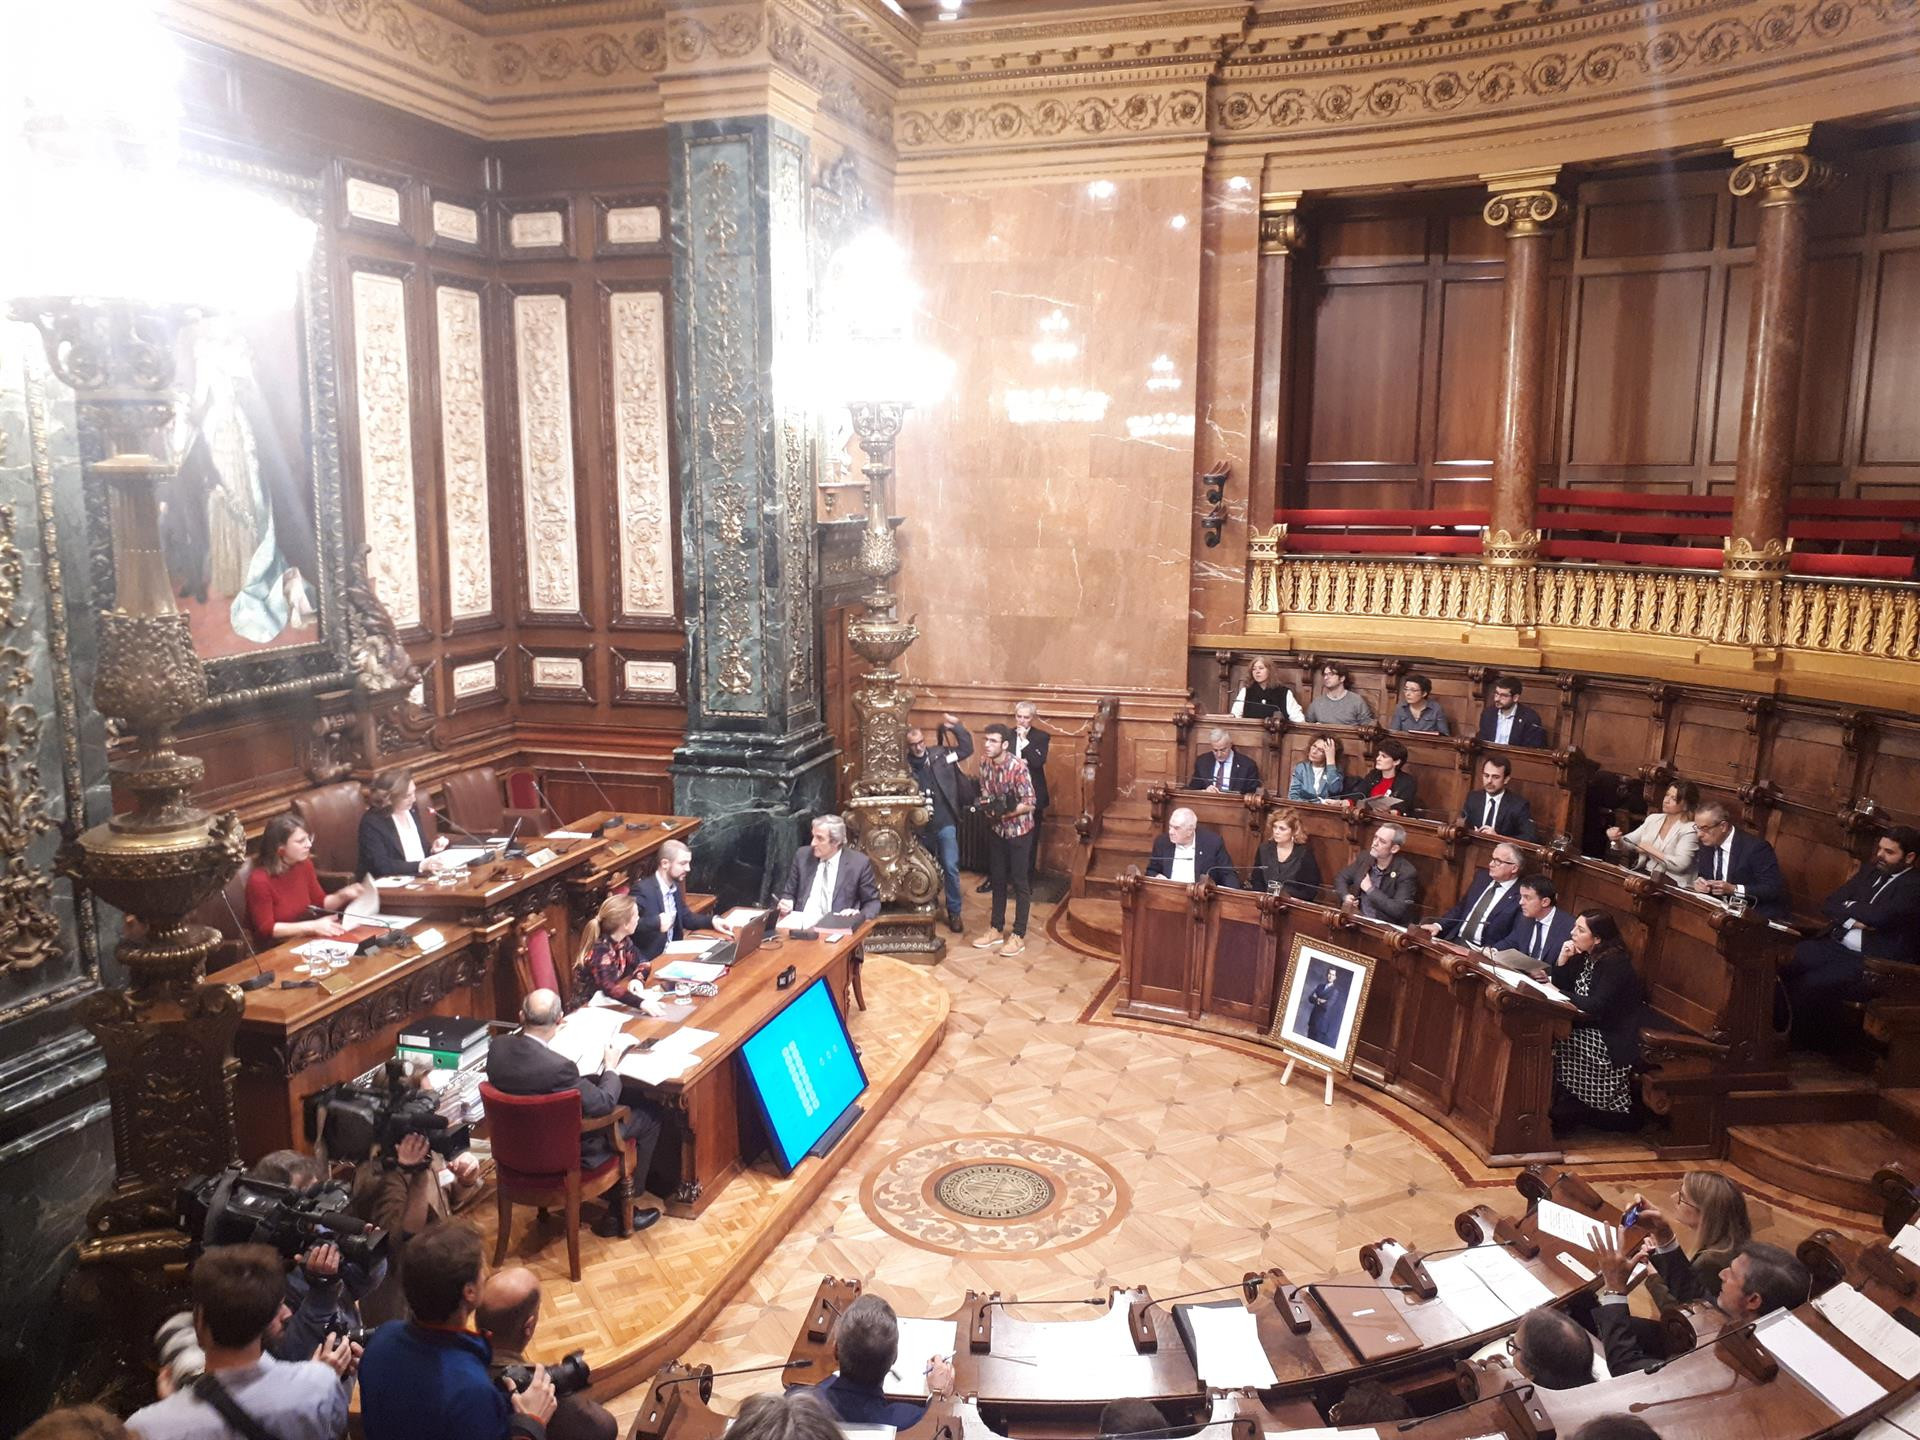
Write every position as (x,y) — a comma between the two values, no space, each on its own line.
(663,903)
(1486,915)
(1542,928)
(1506,721)
(1736,862)
(1224,768)
(1190,854)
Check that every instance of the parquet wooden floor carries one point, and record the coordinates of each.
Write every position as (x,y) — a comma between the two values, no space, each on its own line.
(1225,1170)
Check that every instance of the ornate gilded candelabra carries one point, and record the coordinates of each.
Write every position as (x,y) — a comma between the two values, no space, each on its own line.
(888,808)
(168,1036)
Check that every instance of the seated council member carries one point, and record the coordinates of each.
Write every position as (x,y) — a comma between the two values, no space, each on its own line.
(1593,1066)
(1381,884)
(1285,861)
(611,961)
(866,1343)
(1389,785)
(1224,768)
(1337,704)
(1416,711)
(1484,917)
(1550,1349)
(1318,777)
(1543,929)
(283,888)
(1735,862)
(1506,721)
(826,878)
(1188,853)
(396,835)
(1759,1280)
(662,902)
(1264,694)
(1666,842)
(1875,914)
(1495,808)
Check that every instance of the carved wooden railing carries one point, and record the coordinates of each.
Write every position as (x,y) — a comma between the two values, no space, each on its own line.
(1099,784)
(1857,618)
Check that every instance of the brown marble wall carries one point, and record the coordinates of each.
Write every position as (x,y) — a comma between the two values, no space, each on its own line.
(1043,547)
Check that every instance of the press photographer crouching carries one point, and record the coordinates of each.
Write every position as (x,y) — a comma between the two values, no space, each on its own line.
(243,1391)
(509,1314)
(427,1378)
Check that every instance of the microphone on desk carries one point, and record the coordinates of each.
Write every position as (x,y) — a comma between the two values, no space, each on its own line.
(493,851)
(980,1325)
(1420,1420)
(612,822)
(264,977)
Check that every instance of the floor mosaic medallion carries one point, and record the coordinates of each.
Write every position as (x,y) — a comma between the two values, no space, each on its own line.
(996,1194)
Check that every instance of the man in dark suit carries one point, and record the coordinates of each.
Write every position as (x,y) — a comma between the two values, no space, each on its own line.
(866,1342)
(936,770)
(1323,1024)
(1543,928)
(1487,913)
(1496,808)
(1506,721)
(1189,854)
(1735,862)
(1381,884)
(1875,914)
(522,1062)
(1224,768)
(662,902)
(1030,744)
(826,878)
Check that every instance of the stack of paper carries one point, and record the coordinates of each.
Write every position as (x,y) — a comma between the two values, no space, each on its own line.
(1226,1347)
(1872,1329)
(1816,1364)
(584,1035)
(1486,1287)
(671,1057)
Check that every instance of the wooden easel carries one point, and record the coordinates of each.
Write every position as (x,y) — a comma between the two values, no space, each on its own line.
(1286,1075)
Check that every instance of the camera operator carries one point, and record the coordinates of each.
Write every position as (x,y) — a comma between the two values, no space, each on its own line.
(426,1378)
(245,1393)
(324,1290)
(509,1313)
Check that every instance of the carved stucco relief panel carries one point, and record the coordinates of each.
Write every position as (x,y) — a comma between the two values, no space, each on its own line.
(637,321)
(463,443)
(546,454)
(386,443)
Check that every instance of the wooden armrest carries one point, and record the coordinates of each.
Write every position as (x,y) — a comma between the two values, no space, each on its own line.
(601,1122)
(700,904)
(1657,1042)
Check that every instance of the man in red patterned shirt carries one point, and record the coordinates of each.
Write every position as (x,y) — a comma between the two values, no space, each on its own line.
(1006,799)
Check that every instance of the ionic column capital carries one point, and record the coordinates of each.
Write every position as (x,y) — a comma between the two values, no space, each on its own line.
(1778,166)
(1522,202)
(1281,229)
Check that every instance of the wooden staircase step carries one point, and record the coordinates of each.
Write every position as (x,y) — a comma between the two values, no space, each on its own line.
(1828,1161)
(1095,924)
(1900,1113)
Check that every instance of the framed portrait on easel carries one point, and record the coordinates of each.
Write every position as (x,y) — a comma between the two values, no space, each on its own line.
(1322,997)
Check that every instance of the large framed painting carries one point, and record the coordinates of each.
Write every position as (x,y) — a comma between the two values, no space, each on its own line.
(251,524)
(1322,997)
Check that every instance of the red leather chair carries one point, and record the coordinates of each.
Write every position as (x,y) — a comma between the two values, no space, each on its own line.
(536,1161)
(535,968)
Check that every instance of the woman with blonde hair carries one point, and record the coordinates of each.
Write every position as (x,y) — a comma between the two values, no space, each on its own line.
(1285,861)
(1715,1209)
(609,961)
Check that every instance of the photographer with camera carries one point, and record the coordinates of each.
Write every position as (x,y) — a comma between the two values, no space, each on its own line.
(245,1393)
(1007,802)
(509,1313)
(324,1286)
(426,1378)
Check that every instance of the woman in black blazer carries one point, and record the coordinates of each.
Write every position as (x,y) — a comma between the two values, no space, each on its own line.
(1593,1067)
(397,836)
(1296,873)
(1388,786)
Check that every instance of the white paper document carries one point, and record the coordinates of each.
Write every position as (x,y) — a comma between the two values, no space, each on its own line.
(1816,1364)
(458,855)
(687,1040)
(650,1067)
(392,882)
(1872,1329)
(1226,1347)
(693,970)
(1900,1423)
(567,835)
(1907,1243)
(1570,1225)
(1465,1294)
(920,1341)
(584,1035)
(1323,1432)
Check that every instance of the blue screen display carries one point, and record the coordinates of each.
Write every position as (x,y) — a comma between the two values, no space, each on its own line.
(804,1070)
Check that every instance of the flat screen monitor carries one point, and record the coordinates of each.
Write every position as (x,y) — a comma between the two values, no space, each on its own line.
(804,1072)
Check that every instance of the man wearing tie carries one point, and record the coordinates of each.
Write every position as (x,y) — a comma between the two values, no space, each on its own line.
(663,904)
(828,879)
(1543,927)
(1486,915)
(1877,914)
(1494,809)
(1507,722)
(1224,768)
(1732,862)
(1187,853)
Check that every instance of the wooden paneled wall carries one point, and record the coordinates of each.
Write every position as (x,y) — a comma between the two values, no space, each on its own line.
(1393,396)
(511,303)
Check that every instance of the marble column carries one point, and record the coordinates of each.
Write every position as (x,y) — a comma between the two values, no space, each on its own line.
(1523,204)
(757,763)
(1776,167)
(1282,243)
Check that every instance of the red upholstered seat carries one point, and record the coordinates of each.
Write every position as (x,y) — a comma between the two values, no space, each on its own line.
(540,961)
(536,1160)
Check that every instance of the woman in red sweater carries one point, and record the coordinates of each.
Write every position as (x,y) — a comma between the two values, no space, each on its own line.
(283,888)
